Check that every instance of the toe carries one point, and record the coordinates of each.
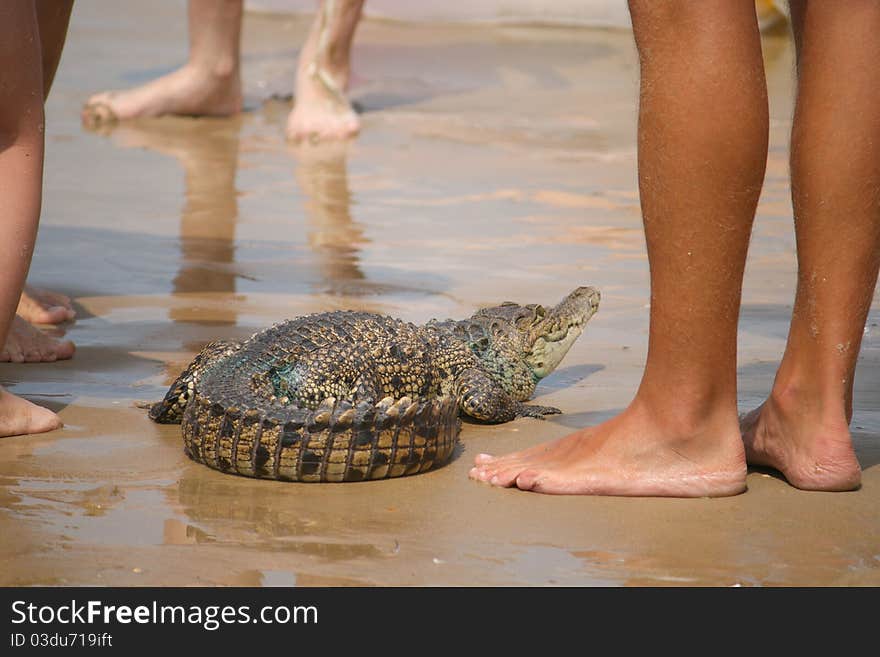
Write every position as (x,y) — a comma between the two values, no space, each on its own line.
(42,420)
(504,477)
(33,355)
(61,311)
(64,350)
(54,315)
(98,112)
(527,479)
(480,473)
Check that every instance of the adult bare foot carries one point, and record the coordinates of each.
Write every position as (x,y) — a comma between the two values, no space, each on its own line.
(188,91)
(27,344)
(812,450)
(321,110)
(20,417)
(40,306)
(631,454)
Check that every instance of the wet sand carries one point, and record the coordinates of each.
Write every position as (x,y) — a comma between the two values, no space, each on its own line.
(495,163)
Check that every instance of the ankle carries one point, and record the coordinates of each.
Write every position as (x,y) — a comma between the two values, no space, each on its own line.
(219,73)
(684,422)
(336,61)
(687,411)
(829,407)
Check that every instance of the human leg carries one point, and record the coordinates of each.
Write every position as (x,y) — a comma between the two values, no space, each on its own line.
(53,17)
(802,429)
(208,85)
(37,305)
(702,143)
(321,109)
(21,171)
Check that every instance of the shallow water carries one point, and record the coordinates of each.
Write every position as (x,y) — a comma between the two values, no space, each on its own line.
(495,163)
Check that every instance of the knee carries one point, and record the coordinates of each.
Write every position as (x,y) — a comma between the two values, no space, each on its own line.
(25,126)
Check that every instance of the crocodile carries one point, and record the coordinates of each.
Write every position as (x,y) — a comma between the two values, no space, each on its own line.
(350,396)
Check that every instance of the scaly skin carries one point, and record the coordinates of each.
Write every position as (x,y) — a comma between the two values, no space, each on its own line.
(348,396)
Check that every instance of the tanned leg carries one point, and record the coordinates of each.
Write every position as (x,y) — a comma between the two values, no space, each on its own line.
(37,305)
(802,429)
(53,17)
(321,109)
(208,85)
(21,171)
(702,148)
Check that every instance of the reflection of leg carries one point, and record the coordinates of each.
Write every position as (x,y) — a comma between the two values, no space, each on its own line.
(208,85)
(703,124)
(802,429)
(209,216)
(208,155)
(21,166)
(334,237)
(207,151)
(322,110)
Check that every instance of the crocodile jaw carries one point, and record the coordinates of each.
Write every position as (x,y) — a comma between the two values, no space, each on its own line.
(552,336)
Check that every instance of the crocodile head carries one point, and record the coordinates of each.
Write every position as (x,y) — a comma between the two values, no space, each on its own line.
(544,334)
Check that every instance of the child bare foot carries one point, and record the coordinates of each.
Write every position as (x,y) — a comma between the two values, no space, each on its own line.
(812,452)
(27,344)
(188,91)
(39,306)
(19,417)
(631,454)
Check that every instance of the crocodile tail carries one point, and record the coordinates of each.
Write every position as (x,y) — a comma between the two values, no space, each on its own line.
(338,441)
(171,409)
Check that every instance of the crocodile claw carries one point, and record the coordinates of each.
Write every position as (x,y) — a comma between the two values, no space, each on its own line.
(530,410)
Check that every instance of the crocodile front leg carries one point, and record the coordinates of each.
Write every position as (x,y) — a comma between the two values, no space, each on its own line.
(483,399)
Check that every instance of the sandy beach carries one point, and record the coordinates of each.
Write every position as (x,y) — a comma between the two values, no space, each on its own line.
(495,163)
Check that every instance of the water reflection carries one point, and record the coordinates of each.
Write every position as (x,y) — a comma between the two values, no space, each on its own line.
(213,256)
(207,151)
(334,237)
(209,215)
(279,518)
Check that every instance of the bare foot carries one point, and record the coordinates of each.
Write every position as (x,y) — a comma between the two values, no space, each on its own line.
(628,455)
(28,344)
(320,116)
(19,417)
(44,306)
(812,452)
(321,110)
(188,91)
